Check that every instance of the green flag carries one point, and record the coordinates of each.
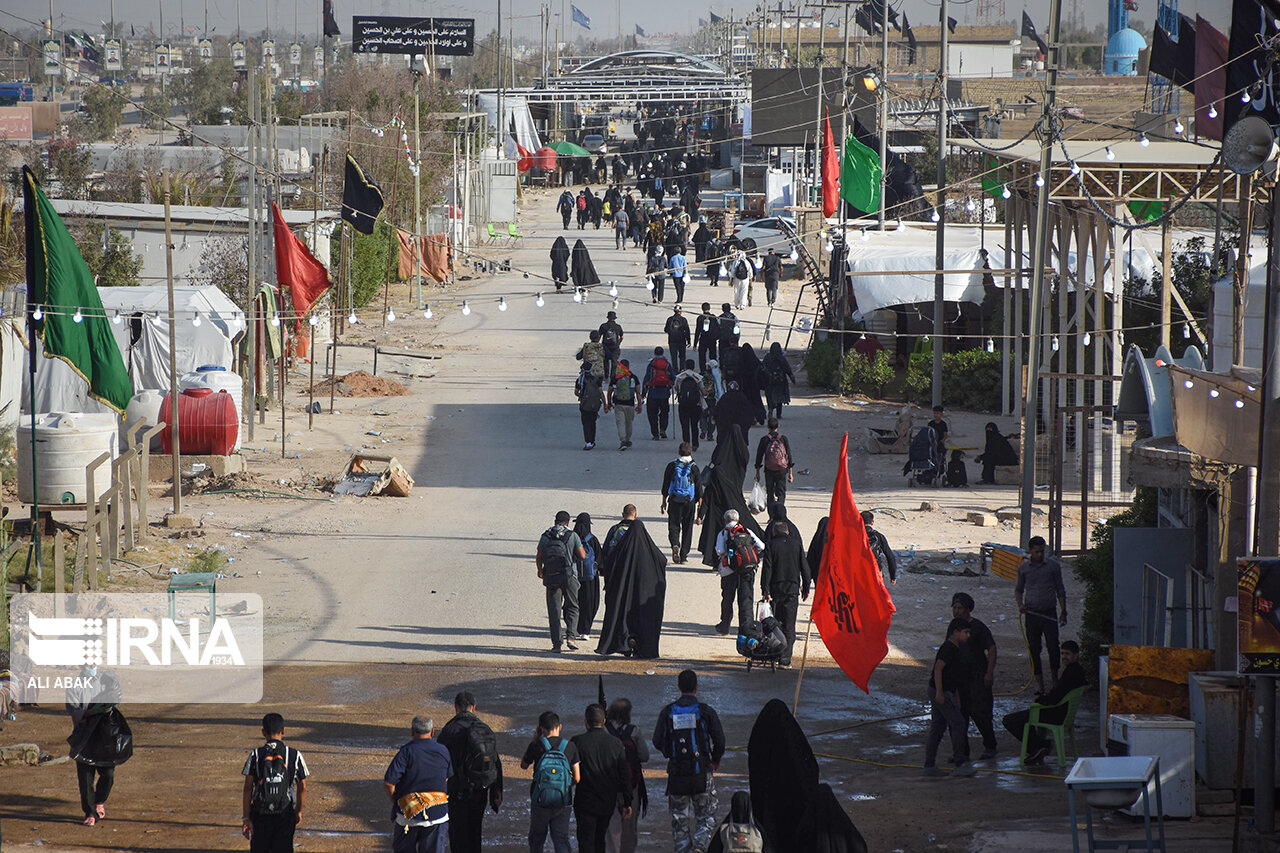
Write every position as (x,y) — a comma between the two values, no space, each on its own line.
(60,284)
(860,176)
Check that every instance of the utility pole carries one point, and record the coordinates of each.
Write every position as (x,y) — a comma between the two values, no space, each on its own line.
(251,382)
(839,299)
(501,128)
(174,420)
(1039,257)
(940,208)
(883,91)
(417,196)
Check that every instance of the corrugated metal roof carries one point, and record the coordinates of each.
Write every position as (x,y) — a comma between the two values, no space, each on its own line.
(177,212)
(1127,152)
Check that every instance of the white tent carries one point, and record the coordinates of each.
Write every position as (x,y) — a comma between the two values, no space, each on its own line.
(144,344)
(515,115)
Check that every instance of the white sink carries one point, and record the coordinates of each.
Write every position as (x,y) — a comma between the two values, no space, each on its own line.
(1112,782)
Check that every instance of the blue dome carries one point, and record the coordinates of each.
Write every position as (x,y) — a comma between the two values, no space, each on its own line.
(1121,56)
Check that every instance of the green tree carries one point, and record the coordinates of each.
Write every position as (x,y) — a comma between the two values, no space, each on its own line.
(368,262)
(69,164)
(156,104)
(108,254)
(204,92)
(105,105)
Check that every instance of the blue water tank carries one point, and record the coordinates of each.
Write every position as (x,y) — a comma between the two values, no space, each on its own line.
(1121,56)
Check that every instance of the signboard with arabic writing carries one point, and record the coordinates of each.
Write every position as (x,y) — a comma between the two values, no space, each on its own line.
(1258,613)
(441,36)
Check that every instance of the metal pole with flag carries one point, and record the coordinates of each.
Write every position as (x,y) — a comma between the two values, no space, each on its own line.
(851,606)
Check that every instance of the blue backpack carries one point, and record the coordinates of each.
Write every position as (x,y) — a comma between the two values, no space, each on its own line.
(687,749)
(587,567)
(553,777)
(682,486)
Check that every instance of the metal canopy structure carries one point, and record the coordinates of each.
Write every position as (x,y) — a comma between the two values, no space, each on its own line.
(1160,170)
(640,75)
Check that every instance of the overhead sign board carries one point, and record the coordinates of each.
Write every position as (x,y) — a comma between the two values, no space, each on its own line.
(112,50)
(409,36)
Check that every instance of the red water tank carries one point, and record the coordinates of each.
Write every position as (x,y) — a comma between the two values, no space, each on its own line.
(207,422)
(545,158)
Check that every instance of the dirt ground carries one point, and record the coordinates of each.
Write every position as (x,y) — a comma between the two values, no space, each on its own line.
(380,608)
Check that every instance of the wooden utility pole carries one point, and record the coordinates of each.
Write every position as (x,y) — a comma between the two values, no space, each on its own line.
(174,431)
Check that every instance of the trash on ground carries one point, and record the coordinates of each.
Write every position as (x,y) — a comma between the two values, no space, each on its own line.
(368,474)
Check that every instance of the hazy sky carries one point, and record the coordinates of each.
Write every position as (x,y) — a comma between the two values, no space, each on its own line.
(655,16)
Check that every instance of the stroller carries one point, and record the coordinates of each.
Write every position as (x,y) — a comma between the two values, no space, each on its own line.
(762,642)
(924,463)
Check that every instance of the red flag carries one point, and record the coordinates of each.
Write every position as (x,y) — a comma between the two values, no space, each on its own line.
(296,268)
(830,168)
(851,606)
(1211,78)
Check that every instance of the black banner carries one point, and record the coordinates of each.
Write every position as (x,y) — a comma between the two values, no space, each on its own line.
(441,36)
(1247,72)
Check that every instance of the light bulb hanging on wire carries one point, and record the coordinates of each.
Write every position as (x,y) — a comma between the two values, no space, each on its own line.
(313,320)
(117,319)
(195,321)
(466,309)
(37,314)
(613,288)
(1088,339)
(426,312)
(155,319)
(577,294)
(1186,330)
(991,345)
(1053,343)
(1213,111)
(391,315)
(1144,142)
(1111,155)
(275,320)
(539,301)
(77,317)
(502,303)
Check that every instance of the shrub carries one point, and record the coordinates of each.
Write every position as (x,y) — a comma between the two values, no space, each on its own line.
(970,380)
(867,376)
(822,364)
(368,262)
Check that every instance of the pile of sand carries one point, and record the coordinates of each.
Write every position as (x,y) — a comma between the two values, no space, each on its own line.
(361,383)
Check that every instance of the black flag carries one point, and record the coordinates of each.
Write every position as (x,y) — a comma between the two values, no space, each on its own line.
(330,23)
(1248,69)
(361,198)
(1164,54)
(1029,30)
(1185,66)
(863,18)
(951,25)
(911,39)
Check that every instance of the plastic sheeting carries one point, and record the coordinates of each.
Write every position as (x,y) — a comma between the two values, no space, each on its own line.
(13,354)
(212,304)
(516,115)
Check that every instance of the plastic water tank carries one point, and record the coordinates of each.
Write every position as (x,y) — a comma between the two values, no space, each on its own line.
(219,379)
(65,444)
(144,406)
(206,422)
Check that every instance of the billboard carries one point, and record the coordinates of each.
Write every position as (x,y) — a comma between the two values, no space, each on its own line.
(785,101)
(237,54)
(16,123)
(439,36)
(318,57)
(52,49)
(205,48)
(164,54)
(269,48)
(295,54)
(113,53)
(1258,615)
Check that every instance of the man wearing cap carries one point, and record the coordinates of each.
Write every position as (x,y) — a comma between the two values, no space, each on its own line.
(979,656)
(677,329)
(611,336)
(706,335)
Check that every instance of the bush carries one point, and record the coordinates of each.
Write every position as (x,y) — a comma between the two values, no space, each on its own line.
(822,364)
(970,380)
(867,376)
(1095,569)
(368,262)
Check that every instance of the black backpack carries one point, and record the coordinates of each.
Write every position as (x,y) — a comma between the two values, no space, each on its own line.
(480,760)
(556,560)
(689,394)
(727,324)
(741,552)
(610,336)
(271,794)
(740,270)
(688,747)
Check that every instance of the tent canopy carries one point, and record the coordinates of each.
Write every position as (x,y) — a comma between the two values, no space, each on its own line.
(211,303)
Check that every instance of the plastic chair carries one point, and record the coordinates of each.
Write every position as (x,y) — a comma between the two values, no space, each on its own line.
(1064,731)
(514,234)
(493,235)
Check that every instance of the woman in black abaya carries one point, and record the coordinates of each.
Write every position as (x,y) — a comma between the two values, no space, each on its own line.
(750,374)
(583,271)
(723,491)
(734,409)
(998,451)
(635,597)
(560,262)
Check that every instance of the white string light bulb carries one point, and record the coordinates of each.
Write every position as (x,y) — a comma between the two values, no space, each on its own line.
(37,314)
(391,315)
(1239,404)
(758,263)
(828,247)
(466,309)
(313,320)
(195,321)
(1213,392)
(1053,343)
(1088,339)
(1188,384)
(1075,167)
(795,255)
(426,312)
(1244,97)
(648,285)
(352,318)
(1144,142)
(275,320)
(991,345)
(77,317)
(1186,330)
(1039,180)
(539,301)
(1213,111)
(155,319)
(1004,192)
(969,205)
(502,303)
(934,216)
(117,319)
(1111,155)
(737,330)
(902,225)
(613,288)
(1177,127)
(577,294)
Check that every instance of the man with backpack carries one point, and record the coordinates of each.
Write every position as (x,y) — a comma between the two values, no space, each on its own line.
(772,273)
(557,549)
(622,399)
(774,453)
(622,835)
(565,207)
(416,781)
(583,211)
(739,276)
(677,329)
(589,389)
(658,381)
(681,494)
(477,773)
(604,782)
(705,335)
(275,790)
(555,771)
(689,735)
(739,551)
(611,337)
(729,332)
(689,403)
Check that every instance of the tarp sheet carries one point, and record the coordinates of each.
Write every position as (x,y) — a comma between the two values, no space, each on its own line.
(434,256)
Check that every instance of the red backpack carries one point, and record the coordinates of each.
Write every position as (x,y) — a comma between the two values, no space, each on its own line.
(661,373)
(582,202)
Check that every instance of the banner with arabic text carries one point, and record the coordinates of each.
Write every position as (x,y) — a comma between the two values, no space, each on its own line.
(441,36)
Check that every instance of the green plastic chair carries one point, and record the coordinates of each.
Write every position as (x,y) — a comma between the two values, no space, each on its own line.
(1061,732)
(493,235)
(514,234)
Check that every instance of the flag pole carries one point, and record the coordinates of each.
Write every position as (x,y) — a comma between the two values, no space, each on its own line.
(30,214)
(173,356)
(804,657)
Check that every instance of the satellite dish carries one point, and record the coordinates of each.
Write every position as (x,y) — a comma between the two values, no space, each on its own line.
(1248,144)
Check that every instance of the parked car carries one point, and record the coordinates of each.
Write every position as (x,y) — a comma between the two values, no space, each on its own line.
(594,143)
(768,233)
